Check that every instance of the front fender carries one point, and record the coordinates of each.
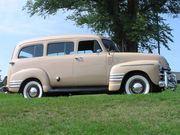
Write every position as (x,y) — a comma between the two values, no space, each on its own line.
(25,74)
(150,67)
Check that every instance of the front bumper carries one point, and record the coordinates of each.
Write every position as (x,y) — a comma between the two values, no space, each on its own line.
(168,79)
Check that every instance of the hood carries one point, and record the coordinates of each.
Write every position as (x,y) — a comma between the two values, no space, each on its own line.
(127,57)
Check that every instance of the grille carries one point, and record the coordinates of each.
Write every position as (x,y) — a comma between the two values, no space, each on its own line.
(162,73)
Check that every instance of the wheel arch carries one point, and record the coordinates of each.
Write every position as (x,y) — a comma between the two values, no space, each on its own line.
(32,73)
(146,68)
(136,72)
(26,81)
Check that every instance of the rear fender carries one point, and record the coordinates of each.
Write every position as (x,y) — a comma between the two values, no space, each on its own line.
(22,75)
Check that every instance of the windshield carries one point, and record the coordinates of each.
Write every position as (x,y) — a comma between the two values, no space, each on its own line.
(110,45)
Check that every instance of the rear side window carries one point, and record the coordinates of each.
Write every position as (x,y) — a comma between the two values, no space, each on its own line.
(63,48)
(90,46)
(31,51)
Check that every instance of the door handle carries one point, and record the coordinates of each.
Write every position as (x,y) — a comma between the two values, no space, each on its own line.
(78,58)
(11,62)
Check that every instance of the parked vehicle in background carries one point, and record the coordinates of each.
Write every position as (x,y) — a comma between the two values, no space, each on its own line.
(177,76)
(84,63)
(1,89)
(3,84)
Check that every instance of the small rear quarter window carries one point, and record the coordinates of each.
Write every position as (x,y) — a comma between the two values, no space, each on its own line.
(31,51)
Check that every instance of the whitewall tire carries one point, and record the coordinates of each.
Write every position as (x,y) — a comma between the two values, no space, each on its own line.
(33,89)
(137,84)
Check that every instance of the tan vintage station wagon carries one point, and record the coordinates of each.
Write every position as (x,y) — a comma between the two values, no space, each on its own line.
(76,63)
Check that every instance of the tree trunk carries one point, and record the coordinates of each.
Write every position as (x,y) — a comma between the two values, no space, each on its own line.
(126,46)
(132,46)
(117,27)
(119,36)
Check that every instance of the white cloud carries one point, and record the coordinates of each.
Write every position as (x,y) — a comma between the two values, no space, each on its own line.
(17,22)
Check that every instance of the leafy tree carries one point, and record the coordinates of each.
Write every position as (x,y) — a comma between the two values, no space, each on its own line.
(132,24)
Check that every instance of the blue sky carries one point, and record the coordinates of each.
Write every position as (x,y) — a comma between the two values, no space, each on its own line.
(16,25)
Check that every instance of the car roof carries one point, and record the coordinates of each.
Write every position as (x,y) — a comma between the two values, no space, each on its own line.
(61,37)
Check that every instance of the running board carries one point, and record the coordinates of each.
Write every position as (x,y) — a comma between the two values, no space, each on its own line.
(79,89)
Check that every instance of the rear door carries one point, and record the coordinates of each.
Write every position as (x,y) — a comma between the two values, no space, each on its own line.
(59,62)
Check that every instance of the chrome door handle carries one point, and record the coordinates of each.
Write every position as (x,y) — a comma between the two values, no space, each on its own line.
(78,58)
(11,62)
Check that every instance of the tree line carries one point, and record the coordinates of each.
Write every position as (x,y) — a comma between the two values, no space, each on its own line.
(135,25)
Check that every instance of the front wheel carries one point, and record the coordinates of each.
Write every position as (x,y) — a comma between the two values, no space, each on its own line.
(33,89)
(137,84)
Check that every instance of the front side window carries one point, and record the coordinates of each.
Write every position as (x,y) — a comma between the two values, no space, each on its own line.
(90,46)
(110,45)
(63,48)
(31,51)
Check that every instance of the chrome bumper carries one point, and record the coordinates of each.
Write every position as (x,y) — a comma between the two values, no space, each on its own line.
(169,81)
(5,89)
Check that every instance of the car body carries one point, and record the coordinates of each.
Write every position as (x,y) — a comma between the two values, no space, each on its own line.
(84,63)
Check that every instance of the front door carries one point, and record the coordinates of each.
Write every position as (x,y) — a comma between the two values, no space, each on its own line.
(90,64)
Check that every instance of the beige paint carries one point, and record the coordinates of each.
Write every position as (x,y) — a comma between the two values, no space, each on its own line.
(92,70)
(151,68)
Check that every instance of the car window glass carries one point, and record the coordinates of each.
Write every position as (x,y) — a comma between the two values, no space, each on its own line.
(89,46)
(63,48)
(38,51)
(69,48)
(110,45)
(31,51)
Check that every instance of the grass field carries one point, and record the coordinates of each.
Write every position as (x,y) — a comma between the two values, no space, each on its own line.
(98,114)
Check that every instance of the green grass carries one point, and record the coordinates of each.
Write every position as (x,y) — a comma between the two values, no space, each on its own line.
(101,114)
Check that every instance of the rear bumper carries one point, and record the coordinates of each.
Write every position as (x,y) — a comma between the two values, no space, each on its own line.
(5,89)
(169,81)
(10,90)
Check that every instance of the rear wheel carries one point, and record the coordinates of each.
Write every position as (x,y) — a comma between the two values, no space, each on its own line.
(33,89)
(137,84)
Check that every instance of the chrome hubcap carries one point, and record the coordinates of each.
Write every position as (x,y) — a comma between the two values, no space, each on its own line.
(137,87)
(33,92)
